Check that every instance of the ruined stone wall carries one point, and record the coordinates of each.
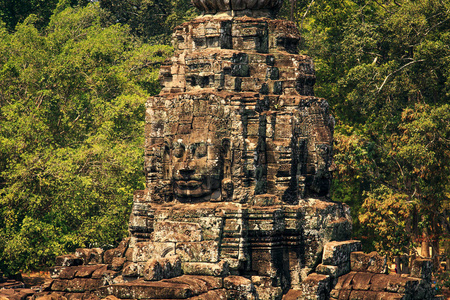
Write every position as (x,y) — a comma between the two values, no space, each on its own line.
(238,163)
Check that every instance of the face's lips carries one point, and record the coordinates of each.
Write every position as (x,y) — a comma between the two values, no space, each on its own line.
(191,184)
(195,177)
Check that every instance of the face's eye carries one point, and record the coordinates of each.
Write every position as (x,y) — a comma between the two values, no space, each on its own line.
(201,150)
(178,151)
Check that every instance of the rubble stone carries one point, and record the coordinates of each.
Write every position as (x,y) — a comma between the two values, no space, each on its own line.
(372,262)
(90,256)
(316,286)
(211,269)
(68,261)
(337,253)
(422,268)
(238,283)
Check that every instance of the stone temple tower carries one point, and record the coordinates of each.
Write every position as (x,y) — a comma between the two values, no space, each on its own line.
(238,153)
(238,163)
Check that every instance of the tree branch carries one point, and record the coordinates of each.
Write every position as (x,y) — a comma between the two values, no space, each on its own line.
(304,15)
(396,71)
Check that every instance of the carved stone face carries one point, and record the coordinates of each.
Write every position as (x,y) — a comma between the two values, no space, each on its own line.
(197,168)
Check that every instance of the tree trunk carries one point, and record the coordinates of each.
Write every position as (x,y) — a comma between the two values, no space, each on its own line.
(398,268)
(425,249)
(292,10)
(435,244)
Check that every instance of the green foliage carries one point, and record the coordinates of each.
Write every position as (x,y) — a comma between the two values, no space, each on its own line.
(383,66)
(388,214)
(13,12)
(152,20)
(71,134)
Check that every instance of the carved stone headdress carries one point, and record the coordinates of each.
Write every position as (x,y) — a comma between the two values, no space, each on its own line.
(214,6)
(237,116)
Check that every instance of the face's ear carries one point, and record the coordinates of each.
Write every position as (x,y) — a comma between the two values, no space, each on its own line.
(226,157)
(166,160)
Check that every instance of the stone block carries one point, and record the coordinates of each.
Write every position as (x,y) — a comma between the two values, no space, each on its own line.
(316,286)
(68,272)
(50,296)
(119,251)
(333,271)
(47,285)
(87,271)
(109,277)
(422,268)
(55,271)
(16,294)
(336,253)
(238,283)
(143,251)
(76,285)
(198,284)
(99,272)
(212,295)
(340,229)
(111,297)
(90,256)
(362,281)
(132,269)
(82,296)
(293,295)
(263,281)
(371,262)
(117,263)
(388,296)
(363,295)
(345,281)
(269,293)
(211,228)
(266,200)
(140,289)
(166,231)
(162,268)
(68,261)
(393,283)
(264,264)
(153,271)
(210,269)
(240,70)
(205,251)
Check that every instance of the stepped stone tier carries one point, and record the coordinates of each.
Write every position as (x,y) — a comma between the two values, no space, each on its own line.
(238,163)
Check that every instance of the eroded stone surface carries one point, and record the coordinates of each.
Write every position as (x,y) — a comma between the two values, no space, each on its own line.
(371,262)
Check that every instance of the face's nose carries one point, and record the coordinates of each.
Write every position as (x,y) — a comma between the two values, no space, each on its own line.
(186,173)
(188,162)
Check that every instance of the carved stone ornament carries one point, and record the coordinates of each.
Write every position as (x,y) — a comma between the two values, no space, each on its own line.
(213,6)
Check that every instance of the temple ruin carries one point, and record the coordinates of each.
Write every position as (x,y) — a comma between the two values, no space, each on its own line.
(238,163)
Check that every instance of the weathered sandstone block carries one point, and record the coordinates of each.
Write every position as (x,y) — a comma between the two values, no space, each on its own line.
(316,287)
(371,262)
(90,256)
(422,268)
(68,261)
(336,253)
(210,269)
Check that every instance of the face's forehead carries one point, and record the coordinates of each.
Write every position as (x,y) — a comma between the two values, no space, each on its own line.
(198,129)
(193,137)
